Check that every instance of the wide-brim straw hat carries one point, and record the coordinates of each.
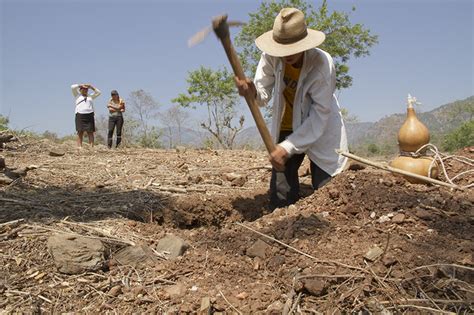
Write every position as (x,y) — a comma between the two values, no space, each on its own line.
(290,35)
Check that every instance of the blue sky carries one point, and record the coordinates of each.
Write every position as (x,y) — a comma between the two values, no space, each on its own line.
(425,48)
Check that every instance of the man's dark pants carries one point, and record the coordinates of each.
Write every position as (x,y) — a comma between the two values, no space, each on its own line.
(285,186)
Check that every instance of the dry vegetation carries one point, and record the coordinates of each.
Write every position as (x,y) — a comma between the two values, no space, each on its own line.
(368,241)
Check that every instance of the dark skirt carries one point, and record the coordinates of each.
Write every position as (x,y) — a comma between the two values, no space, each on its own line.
(85,122)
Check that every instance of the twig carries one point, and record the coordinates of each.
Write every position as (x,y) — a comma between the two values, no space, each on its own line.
(329,276)
(97,230)
(435,300)
(303,253)
(398,171)
(14,222)
(295,304)
(440,265)
(232,306)
(420,308)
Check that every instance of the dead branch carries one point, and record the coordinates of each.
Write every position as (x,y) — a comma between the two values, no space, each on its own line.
(396,170)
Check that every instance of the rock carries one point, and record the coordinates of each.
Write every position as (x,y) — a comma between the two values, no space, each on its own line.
(376,308)
(115,291)
(275,308)
(349,209)
(373,253)
(315,287)
(231,176)
(75,254)
(398,218)
(136,256)
(136,291)
(205,308)
(424,214)
(172,246)
(292,208)
(2,162)
(239,182)
(383,219)
(276,261)
(258,249)
(4,180)
(242,295)
(56,153)
(16,173)
(175,291)
(389,261)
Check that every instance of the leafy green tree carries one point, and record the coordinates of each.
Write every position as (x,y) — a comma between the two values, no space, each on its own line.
(344,40)
(4,121)
(460,138)
(215,90)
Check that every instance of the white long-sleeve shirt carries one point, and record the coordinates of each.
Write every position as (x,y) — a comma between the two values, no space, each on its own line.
(318,128)
(84,104)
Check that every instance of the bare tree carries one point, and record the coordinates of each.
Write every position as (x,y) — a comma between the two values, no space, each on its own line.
(216,90)
(173,119)
(144,109)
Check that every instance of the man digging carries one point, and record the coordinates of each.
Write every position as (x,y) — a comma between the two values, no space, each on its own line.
(306,117)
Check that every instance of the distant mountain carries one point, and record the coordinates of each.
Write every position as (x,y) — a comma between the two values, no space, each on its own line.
(189,137)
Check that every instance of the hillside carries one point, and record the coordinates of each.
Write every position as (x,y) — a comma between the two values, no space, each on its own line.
(439,121)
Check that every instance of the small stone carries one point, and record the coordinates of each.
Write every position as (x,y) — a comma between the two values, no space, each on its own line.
(276,261)
(56,153)
(389,261)
(115,291)
(136,256)
(373,253)
(137,291)
(175,291)
(239,182)
(275,308)
(242,295)
(383,219)
(258,249)
(172,246)
(388,183)
(424,214)
(315,287)
(205,308)
(292,208)
(398,218)
(372,215)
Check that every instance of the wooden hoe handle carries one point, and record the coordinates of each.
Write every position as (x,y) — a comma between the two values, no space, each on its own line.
(221,28)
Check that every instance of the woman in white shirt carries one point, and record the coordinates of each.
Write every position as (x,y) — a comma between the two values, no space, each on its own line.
(85,121)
